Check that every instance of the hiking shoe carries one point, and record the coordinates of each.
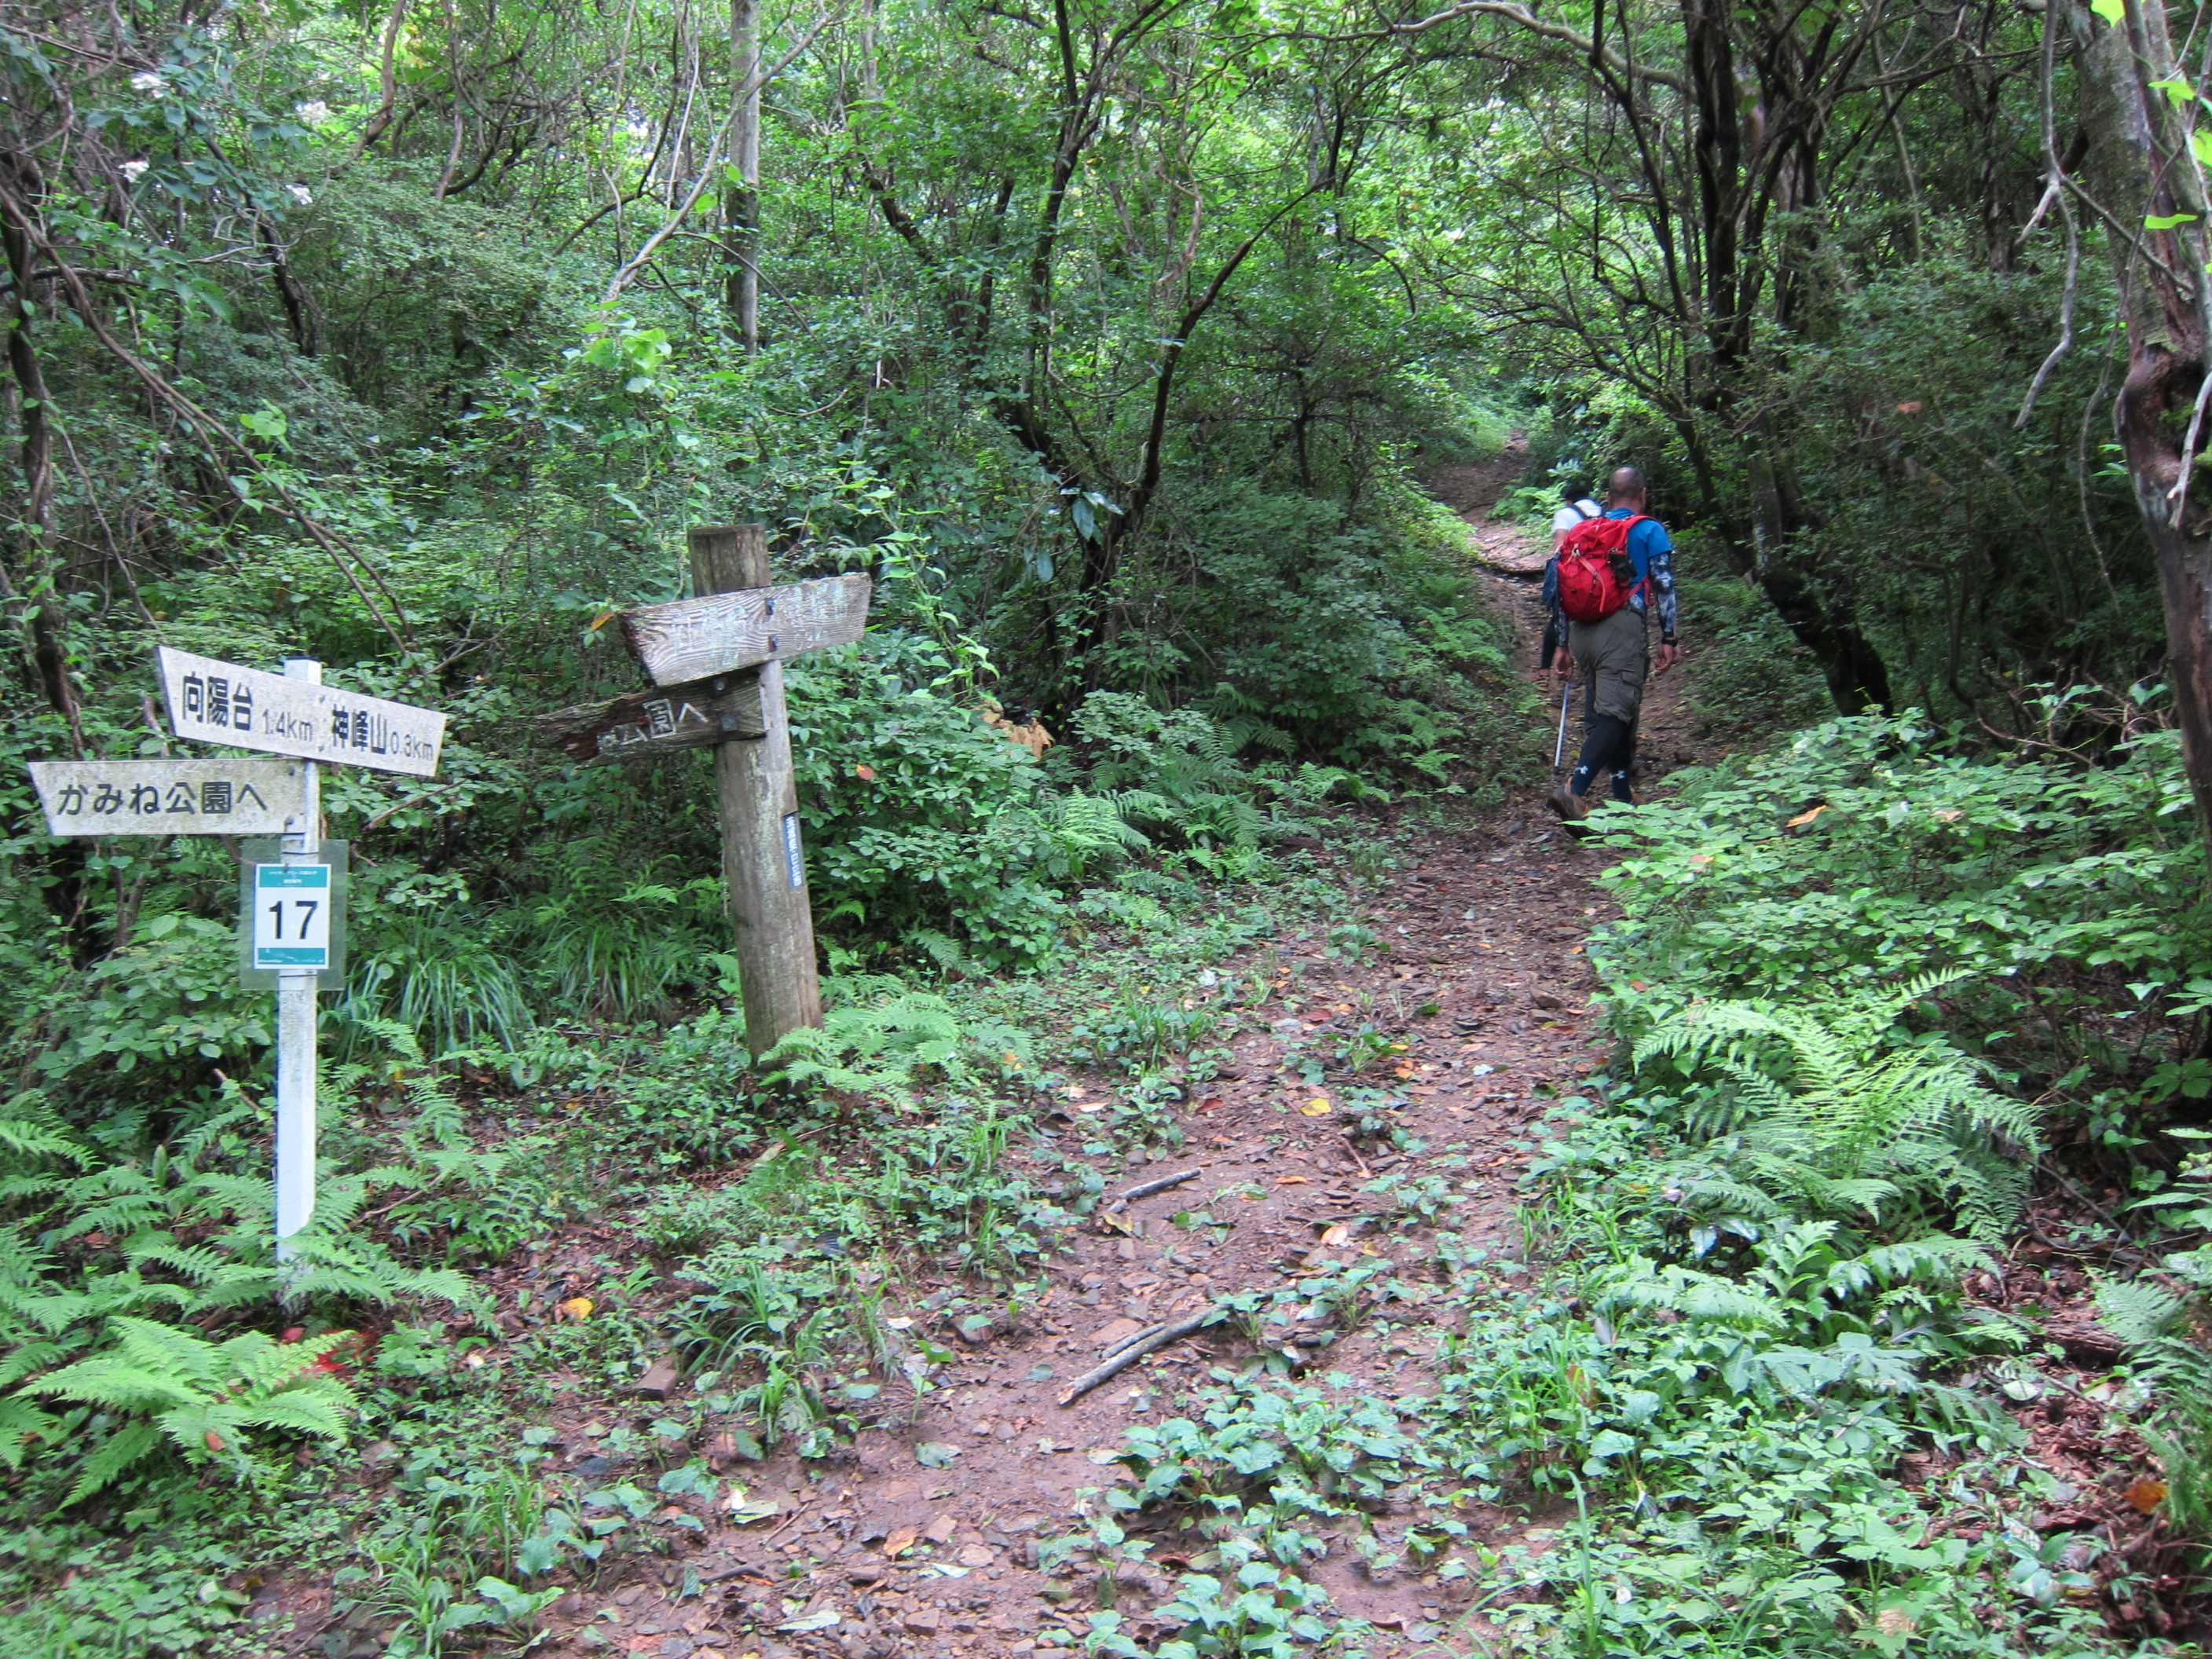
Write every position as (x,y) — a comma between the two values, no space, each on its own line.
(1568,805)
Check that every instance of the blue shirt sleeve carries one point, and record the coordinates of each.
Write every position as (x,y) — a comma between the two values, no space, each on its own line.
(1653,555)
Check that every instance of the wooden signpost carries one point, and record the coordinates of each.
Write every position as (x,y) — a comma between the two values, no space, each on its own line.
(659,722)
(723,630)
(291,921)
(718,660)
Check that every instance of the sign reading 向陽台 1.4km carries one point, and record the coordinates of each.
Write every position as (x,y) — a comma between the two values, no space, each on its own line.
(216,702)
(194,796)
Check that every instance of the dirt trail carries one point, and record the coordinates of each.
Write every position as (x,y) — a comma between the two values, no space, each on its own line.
(1481,975)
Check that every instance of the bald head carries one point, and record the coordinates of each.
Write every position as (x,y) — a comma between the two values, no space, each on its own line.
(1626,487)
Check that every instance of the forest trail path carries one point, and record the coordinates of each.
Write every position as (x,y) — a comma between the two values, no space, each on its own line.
(1480,973)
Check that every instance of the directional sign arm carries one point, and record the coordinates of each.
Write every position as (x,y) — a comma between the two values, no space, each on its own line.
(189,796)
(687,716)
(716,633)
(215,701)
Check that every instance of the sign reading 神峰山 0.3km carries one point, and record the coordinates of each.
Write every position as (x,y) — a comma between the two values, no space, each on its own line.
(216,702)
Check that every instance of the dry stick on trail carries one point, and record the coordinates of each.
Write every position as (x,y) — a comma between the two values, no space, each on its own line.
(1158,1337)
(1147,1188)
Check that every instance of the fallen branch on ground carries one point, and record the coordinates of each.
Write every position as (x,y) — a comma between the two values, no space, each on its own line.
(1147,1188)
(1137,1347)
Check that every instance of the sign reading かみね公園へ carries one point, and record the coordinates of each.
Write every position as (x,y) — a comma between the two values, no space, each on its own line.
(193,796)
(293,929)
(218,702)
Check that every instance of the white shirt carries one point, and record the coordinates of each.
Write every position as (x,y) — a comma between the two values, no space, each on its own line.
(1568,517)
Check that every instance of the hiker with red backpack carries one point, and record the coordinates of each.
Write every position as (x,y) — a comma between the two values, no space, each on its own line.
(1611,572)
(1576,508)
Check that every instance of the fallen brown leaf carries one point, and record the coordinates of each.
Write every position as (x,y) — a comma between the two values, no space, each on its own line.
(2146,1495)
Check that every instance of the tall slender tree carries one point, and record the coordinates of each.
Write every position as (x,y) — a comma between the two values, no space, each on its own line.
(2144,170)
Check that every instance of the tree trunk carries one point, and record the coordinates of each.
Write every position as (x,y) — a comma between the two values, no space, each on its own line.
(48,657)
(2140,168)
(741,199)
(1737,184)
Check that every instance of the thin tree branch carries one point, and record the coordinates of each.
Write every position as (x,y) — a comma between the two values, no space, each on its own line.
(752,83)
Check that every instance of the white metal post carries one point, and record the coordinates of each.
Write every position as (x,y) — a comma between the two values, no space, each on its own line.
(296,1025)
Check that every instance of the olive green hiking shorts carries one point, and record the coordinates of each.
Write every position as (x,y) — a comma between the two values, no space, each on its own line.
(1613,657)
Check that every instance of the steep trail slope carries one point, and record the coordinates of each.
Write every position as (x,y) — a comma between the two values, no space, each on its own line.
(923,1538)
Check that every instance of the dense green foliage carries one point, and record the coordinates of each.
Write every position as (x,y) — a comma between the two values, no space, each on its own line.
(1114,341)
(1845,968)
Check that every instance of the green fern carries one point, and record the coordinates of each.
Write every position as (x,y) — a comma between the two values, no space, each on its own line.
(2163,1328)
(879,1038)
(33,1132)
(2137,1312)
(203,1397)
(1828,1107)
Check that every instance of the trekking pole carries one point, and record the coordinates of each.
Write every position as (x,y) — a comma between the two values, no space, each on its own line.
(1559,754)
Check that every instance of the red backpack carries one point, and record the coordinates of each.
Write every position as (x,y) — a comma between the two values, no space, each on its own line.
(1596,576)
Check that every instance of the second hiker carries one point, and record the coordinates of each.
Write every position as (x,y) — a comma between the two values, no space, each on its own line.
(1613,573)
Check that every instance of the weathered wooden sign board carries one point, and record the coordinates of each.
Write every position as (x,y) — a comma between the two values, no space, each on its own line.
(195,797)
(216,702)
(687,716)
(715,633)
(718,660)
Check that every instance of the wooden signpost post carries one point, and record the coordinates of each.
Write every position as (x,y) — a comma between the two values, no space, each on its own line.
(718,661)
(292,922)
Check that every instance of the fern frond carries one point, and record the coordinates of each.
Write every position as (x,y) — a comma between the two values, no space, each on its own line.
(20,1423)
(117,1382)
(115,1457)
(1704,1297)
(197,1263)
(2137,1312)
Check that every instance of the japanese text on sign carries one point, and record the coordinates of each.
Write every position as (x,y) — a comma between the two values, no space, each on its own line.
(222,703)
(191,797)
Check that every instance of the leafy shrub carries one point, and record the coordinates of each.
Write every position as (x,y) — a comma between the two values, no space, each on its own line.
(1863,853)
(169,1001)
(920,818)
(1749,677)
(686,1097)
